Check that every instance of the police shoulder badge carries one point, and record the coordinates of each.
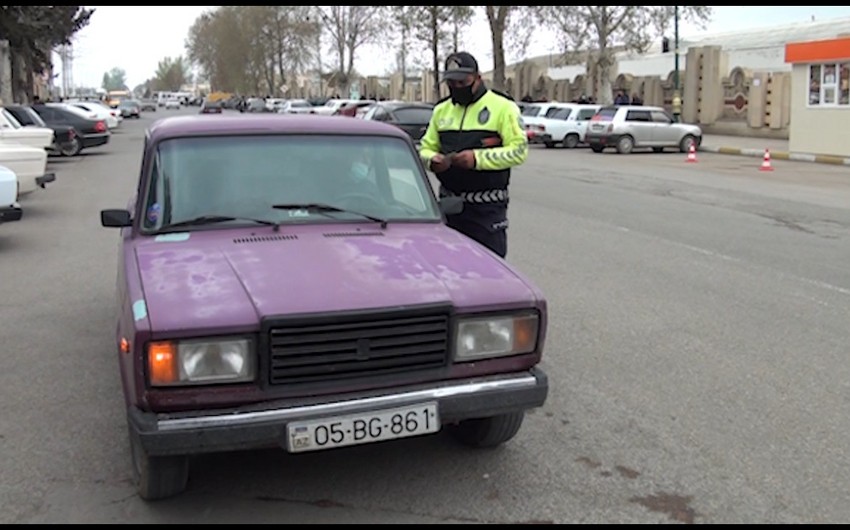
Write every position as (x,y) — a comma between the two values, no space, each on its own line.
(483,116)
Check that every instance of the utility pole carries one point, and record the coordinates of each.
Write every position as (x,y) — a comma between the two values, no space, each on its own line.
(677,96)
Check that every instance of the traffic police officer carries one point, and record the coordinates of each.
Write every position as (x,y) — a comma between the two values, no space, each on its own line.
(473,140)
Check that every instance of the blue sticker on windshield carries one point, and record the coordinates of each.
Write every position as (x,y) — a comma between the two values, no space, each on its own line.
(153,212)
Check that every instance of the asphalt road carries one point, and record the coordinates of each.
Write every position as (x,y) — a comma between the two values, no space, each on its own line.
(697,352)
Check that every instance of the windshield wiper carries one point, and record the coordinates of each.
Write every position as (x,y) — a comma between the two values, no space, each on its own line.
(324,208)
(212,219)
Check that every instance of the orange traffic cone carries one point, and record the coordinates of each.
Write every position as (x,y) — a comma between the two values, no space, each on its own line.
(765,165)
(692,154)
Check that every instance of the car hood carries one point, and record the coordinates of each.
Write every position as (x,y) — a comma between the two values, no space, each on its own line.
(231,278)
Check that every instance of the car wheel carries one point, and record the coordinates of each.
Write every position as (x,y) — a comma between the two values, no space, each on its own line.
(488,432)
(571,141)
(625,145)
(72,148)
(686,143)
(157,477)
(596,148)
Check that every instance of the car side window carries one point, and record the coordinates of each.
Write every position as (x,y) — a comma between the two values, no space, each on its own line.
(561,114)
(638,115)
(48,114)
(585,114)
(661,117)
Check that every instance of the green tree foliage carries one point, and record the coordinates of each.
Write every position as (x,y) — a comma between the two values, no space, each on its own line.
(171,74)
(33,32)
(115,79)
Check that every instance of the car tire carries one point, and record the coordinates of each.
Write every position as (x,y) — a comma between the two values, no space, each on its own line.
(488,432)
(571,141)
(625,145)
(685,144)
(157,477)
(596,148)
(73,148)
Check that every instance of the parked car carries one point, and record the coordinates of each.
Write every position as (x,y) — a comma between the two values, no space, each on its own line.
(255,105)
(533,115)
(297,106)
(10,210)
(332,106)
(566,125)
(627,127)
(96,110)
(412,118)
(29,165)
(65,141)
(173,104)
(130,108)
(90,132)
(356,109)
(211,107)
(11,130)
(293,283)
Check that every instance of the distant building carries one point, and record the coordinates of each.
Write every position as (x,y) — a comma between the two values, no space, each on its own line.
(761,49)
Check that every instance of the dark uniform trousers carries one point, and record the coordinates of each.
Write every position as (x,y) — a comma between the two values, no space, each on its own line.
(485,223)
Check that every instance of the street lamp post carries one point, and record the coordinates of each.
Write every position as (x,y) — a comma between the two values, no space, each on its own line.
(677,96)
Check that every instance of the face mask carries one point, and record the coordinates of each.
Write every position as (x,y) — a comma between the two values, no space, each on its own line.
(360,170)
(461,95)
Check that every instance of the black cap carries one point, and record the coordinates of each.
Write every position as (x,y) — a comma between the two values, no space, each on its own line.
(459,65)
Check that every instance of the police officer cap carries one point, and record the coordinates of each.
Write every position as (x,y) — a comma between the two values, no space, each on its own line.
(459,65)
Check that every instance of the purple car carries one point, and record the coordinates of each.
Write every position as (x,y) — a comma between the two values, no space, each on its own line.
(289,281)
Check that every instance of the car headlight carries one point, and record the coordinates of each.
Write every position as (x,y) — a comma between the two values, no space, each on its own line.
(201,362)
(496,336)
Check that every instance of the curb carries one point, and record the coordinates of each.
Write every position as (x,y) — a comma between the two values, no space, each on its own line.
(779,155)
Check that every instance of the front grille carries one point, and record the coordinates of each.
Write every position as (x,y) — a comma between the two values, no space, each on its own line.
(372,346)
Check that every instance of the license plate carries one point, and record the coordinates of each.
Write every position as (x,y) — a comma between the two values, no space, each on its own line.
(368,427)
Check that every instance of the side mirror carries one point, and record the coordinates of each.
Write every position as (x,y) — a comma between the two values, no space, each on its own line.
(115,218)
(451,205)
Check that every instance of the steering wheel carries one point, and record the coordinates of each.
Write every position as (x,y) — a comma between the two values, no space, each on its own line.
(359,200)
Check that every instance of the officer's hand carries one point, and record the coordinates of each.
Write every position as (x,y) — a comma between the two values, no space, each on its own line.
(464,159)
(440,163)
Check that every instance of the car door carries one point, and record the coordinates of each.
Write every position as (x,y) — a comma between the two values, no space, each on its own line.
(665,134)
(640,126)
(556,122)
(582,118)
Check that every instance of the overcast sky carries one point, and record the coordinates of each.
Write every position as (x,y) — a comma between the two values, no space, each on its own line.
(137,38)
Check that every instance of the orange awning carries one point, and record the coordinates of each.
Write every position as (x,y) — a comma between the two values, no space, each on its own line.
(818,51)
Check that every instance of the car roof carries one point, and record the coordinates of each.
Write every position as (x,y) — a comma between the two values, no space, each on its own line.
(241,124)
(632,107)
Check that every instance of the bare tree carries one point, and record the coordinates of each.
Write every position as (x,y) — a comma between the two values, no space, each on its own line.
(350,27)
(431,29)
(514,24)
(609,28)
(252,48)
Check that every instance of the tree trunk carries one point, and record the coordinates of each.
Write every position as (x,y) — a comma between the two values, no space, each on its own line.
(435,37)
(403,59)
(497,17)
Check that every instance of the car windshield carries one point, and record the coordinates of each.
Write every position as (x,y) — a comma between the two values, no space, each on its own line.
(276,178)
